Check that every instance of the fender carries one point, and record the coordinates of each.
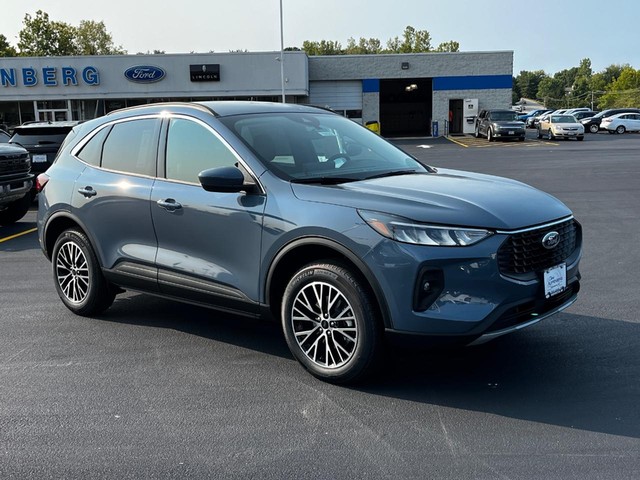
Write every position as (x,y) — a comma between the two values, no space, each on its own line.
(344,251)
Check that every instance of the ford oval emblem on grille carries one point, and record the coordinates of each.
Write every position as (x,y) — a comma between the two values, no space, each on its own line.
(144,74)
(551,240)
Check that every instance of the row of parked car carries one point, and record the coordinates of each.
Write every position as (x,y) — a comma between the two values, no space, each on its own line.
(30,150)
(613,120)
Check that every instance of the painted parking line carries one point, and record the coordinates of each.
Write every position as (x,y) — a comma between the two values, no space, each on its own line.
(473,142)
(11,237)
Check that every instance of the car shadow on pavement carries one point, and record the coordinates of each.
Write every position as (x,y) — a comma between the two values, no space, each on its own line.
(246,332)
(572,371)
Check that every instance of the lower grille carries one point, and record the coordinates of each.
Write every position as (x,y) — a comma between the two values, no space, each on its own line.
(524,252)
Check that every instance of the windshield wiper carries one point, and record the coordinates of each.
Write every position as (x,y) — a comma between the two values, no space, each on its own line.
(393,173)
(325,180)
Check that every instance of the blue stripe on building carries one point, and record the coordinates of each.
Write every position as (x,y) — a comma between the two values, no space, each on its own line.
(370,85)
(473,82)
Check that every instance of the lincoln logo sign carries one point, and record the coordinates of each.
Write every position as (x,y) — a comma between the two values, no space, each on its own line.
(144,74)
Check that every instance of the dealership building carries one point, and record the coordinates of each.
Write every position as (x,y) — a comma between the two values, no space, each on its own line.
(406,94)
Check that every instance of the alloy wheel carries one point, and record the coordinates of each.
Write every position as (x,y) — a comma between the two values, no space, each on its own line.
(72,272)
(324,325)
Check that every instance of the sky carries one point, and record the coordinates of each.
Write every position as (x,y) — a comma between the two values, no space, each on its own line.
(548,35)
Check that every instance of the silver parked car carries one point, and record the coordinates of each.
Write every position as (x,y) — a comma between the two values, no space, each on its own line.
(299,214)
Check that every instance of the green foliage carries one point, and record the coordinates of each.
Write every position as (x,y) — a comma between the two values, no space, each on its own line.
(412,41)
(624,91)
(528,82)
(449,46)
(92,38)
(6,50)
(42,37)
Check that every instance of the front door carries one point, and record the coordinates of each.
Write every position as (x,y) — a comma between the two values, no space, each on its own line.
(208,242)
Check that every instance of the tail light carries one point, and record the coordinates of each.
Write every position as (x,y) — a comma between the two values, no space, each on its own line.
(41,181)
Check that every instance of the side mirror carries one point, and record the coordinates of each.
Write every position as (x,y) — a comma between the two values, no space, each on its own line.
(222,179)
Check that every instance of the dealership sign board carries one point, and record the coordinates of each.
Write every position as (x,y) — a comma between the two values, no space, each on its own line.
(144,74)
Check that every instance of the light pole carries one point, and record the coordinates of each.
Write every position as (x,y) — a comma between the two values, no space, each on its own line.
(282,54)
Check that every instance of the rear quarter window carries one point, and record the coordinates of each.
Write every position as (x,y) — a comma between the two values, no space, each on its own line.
(131,147)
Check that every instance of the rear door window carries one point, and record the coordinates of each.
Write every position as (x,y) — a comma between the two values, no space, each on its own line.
(132,147)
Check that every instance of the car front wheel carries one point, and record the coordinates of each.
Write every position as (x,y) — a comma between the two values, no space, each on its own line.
(330,322)
(550,135)
(77,275)
(15,210)
(490,135)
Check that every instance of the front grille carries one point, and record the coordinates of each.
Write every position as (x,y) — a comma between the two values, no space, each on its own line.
(524,253)
(14,164)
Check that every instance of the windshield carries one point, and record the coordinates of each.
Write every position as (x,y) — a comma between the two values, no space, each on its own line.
(319,147)
(504,116)
(563,119)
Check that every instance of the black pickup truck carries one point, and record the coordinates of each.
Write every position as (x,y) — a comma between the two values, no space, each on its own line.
(16,181)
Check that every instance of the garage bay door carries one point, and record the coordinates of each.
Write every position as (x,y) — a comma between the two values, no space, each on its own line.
(345,97)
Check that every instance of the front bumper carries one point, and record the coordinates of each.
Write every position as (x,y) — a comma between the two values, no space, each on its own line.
(510,133)
(15,189)
(476,298)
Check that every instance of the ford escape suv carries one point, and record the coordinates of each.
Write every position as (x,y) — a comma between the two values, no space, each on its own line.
(297,213)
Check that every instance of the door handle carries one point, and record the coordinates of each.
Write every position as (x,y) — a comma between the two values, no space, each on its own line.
(87,191)
(169,204)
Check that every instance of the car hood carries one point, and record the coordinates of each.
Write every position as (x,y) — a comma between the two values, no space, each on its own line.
(448,197)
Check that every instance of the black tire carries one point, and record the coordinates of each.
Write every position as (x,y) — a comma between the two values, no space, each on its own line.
(593,128)
(620,129)
(550,135)
(77,275)
(521,139)
(580,139)
(477,132)
(539,134)
(339,340)
(15,210)
(489,135)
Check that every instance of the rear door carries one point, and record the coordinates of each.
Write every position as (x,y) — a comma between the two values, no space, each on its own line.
(208,242)
(111,198)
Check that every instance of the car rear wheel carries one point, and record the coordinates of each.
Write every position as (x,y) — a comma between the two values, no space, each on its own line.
(620,129)
(594,128)
(77,275)
(330,322)
(15,210)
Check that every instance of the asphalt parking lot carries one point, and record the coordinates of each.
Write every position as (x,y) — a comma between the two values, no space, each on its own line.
(154,389)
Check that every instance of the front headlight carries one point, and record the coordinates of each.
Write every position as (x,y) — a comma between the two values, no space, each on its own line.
(407,231)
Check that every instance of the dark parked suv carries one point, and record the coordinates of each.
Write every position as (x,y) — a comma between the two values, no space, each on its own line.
(495,124)
(297,213)
(42,140)
(15,183)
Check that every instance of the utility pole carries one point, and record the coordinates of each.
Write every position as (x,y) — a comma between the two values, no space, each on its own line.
(282,54)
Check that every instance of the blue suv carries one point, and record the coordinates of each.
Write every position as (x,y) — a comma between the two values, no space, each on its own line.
(296,213)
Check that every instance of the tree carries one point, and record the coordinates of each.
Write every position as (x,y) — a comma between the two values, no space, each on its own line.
(551,91)
(92,38)
(528,82)
(323,47)
(449,46)
(41,37)
(624,91)
(6,50)
(413,41)
(364,46)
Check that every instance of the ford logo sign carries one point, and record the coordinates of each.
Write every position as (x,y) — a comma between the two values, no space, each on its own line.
(144,74)
(551,240)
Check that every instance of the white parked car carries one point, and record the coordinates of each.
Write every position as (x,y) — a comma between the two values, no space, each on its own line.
(622,122)
(560,126)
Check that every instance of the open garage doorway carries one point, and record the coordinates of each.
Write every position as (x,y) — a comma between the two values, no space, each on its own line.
(405,107)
